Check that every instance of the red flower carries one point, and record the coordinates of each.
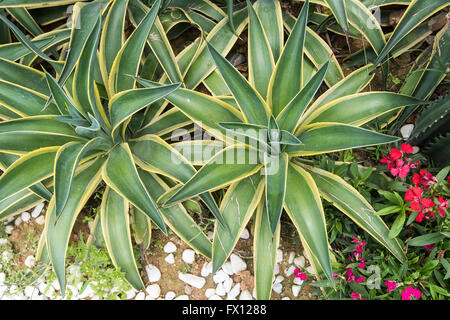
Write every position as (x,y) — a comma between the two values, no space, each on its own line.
(355,296)
(425,179)
(406,148)
(410,292)
(391,285)
(443,204)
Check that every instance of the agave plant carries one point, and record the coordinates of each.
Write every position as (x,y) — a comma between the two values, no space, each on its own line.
(63,136)
(277,108)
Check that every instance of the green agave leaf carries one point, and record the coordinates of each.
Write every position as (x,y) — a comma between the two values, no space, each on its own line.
(338,9)
(35,3)
(275,180)
(177,218)
(348,200)
(250,102)
(116,230)
(24,101)
(120,174)
(126,64)
(23,17)
(286,79)
(331,137)
(271,18)
(416,13)
(360,108)
(58,234)
(265,245)
(304,207)
(261,62)
(126,103)
(18,203)
(26,171)
(142,227)
(31,133)
(289,117)
(237,207)
(231,164)
(110,41)
(165,123)
(66,163)
(255,132)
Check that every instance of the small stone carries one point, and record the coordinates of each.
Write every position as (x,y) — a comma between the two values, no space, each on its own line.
(214,297)
(192,280)
(25,216)
(237,264)
(50,292)
(220,276)
(153,273)
(245,234)
(310,269)
(406,130)
(220,290)
(188,256)
(170,247)
(285,298)
(140,296)
(206,269)
(300,261)
(276,269)
(296,290)
(9,229)
(254,293)
(55,285)
(131,293)
(40,220)
(291,257)
(416,149)
(277,287)
(2,277)
(170,259)
(170,295)
(149,298)
(37,210)
(279,256)
(210,292)
(245,295)
(234,292)
(182,297)
(298,281)
(210,235)
(6,256)
(153,290)
(227,284)
(13,289)
(30,291)
(18,221)
(279,279)
(3,241)
(227,268)
(187,289)
(30,261)
(88,292)
(289,271)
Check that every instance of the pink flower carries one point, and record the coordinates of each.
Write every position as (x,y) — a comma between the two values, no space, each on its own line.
(349,274)
(355,296)
(335,275)
(360,280)
(424,178)
(429,246)
(391,285)
(443,204)
(362,265)
(300,275)
(410,292)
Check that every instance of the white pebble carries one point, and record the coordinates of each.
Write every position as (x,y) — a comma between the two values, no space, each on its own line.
(37,210)
(220,290)
(416,149)
(237,264)
(310,269)
(192,280)
(276,269)
(220,276)
(300,261)
(289,271)
(245,234)
(153,273)
(296,290)
(291,257)
(40,220)
(153,291)
(188,256)
(227,284)
(30,261)
(234,292)
(88,292)
(279,255)
(140,296)
(25,216)
(406,130)
(170,295)
(131,293)
(182,297)
(9,229)
(3,241)
(214,297)
(170,259)
(6,256)
(210,292)
(210,235)
(206,269)
(55,284)
(18,221)
(2,277)
(170,247)
(279,279)
(285,298)
(30,291)
(245,295)
(298,281)
(227,268)
(277,287)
